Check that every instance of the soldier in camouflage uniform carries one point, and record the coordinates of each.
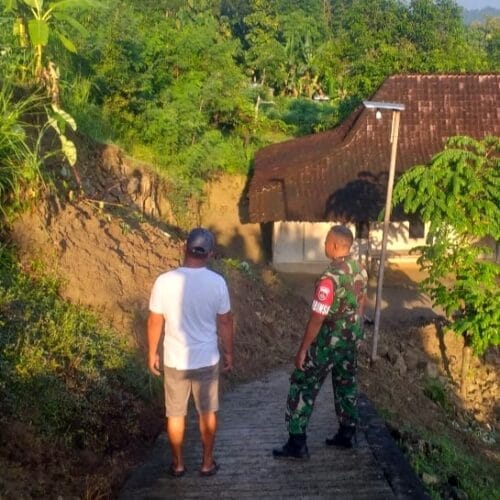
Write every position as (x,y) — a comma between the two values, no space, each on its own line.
(329,345)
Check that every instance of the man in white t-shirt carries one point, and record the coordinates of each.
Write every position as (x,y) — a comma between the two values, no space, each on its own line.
(191,306)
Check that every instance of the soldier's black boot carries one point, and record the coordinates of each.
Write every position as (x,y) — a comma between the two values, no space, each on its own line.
(345,437)
(295,448)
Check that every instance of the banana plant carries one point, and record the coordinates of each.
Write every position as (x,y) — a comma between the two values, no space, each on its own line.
(42,21)
(45,20)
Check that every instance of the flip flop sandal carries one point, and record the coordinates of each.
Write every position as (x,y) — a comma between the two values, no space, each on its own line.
(175,472)
(210,472)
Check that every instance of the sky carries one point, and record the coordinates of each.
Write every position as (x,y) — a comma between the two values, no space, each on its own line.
(478,4)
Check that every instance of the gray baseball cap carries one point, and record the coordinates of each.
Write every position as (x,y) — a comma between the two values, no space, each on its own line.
(200,242)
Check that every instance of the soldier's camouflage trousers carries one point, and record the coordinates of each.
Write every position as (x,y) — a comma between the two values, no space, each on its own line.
(331,351)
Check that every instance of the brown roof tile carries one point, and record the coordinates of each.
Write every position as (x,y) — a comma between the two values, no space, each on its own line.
(342,173)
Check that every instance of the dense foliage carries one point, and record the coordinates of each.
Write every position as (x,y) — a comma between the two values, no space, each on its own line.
(439,456)
(17,162)
(196,87)
(458,194)
(61,371)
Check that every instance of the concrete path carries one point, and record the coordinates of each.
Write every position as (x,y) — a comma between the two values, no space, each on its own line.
(402,301)
(251,423)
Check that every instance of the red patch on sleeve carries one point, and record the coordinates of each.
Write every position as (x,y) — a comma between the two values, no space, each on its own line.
(324,292)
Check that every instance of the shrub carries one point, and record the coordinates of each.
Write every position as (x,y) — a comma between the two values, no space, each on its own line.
(62,371)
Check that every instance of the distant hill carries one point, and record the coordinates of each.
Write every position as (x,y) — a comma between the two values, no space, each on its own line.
(480,14)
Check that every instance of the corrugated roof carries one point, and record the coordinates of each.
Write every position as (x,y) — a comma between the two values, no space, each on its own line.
(341,174)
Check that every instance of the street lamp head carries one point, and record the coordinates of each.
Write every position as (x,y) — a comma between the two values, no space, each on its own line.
(378,105)
(378,114)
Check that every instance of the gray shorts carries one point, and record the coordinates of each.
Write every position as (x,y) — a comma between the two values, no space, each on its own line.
(202,383)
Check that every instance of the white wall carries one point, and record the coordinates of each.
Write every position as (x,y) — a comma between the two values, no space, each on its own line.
(398,241)
(299,246)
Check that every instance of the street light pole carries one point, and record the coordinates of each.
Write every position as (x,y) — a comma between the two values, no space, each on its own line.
(396,113)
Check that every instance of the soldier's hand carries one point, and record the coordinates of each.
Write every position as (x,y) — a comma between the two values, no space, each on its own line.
(299,359)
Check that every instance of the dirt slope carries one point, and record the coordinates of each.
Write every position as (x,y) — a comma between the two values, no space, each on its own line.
(104,262)
(109,261)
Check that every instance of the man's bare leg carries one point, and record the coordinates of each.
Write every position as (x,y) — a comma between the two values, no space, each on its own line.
(175,432)
(208,427)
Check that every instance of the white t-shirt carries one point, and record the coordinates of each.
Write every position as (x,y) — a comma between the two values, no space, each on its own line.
(190,299)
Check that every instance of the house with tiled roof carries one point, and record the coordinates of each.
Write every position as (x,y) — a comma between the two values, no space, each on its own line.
(300,186)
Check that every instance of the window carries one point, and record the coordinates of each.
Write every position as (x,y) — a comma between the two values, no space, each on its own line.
(362,230)
(417,228)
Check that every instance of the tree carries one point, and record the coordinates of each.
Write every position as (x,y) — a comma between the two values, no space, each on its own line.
(458,194)
(492,35)
(265,55)
(486,37)
(438,32)
(301,34)
(36,21)
(370,39)
(44,21)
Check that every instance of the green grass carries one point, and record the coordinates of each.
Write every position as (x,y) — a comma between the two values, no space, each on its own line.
(244,267)
(453,465)
(435,391)
(447,458)
(19,166)
(61,371)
